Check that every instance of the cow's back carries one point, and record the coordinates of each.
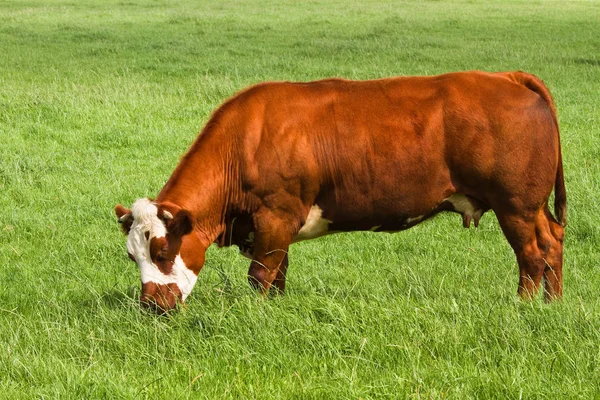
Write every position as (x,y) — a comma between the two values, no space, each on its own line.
(394,147)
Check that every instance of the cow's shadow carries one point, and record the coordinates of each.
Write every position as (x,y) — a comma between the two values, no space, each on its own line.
(115,298)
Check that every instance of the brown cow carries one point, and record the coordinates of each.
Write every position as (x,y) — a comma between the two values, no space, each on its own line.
(282,162)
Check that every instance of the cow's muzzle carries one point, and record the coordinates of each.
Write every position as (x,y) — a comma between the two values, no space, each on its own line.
(160,298)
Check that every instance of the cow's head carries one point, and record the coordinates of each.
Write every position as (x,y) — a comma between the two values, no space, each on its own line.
(162,241)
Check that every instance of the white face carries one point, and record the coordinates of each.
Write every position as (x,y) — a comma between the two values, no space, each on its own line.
(145,227)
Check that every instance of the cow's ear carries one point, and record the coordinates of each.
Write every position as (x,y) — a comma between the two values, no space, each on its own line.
(125,218)
(179,225)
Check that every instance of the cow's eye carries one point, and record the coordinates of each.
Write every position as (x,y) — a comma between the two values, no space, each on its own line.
(131,257)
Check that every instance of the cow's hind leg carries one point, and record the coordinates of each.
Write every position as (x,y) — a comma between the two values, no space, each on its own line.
(270,261)
(550,235)
(537,242)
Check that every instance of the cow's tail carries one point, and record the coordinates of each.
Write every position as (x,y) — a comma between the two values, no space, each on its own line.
(536,85)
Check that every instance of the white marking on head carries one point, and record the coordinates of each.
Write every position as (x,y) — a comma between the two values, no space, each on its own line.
(314,226)
(146,226)
(184,277)
(145,217)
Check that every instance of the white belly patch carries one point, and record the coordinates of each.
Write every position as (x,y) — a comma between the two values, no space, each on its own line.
(314,226)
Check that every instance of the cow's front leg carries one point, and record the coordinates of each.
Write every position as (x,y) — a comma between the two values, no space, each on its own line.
(267,272)
(270,261)
(279,282)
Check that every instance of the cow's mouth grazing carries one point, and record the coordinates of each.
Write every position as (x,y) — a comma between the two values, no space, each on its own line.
(160,298)
(166,280)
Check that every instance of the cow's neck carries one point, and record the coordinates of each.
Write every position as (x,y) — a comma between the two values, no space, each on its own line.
(203,183)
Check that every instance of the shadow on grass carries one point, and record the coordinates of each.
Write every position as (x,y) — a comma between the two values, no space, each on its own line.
(118,298)
(115,299)
(588,61)
(129,299)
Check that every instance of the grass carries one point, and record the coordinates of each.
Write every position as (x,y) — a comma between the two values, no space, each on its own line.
(98,100)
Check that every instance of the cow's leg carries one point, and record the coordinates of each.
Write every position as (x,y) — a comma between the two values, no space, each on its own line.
(520,233)
(279,282)
(537,242)
(272,238)
(550,235)
(267,269)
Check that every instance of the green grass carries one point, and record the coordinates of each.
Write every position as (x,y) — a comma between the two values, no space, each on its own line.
(98,100)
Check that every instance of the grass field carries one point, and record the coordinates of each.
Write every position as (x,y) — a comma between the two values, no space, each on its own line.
(99,99)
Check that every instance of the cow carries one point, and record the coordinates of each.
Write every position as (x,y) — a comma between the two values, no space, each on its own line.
(282,162)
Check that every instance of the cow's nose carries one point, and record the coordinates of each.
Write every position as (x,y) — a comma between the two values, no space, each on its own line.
(150,304)
(160,298)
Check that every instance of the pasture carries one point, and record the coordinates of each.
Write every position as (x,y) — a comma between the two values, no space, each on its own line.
(99,99)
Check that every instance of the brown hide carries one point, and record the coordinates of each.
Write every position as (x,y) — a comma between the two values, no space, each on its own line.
(377,155)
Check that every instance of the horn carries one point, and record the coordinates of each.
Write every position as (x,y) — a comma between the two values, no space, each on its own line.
(124,217)
(167,215)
